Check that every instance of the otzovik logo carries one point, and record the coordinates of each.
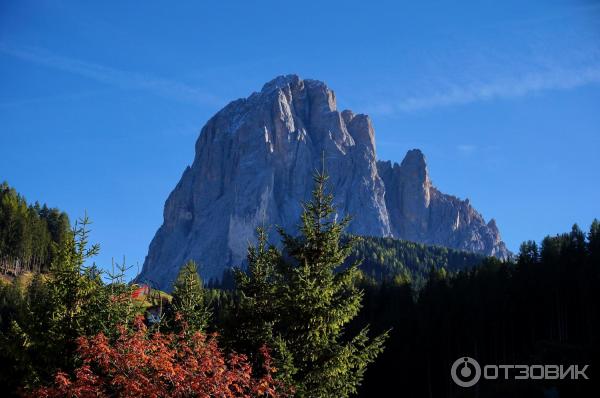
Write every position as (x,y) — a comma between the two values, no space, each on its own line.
(466,372)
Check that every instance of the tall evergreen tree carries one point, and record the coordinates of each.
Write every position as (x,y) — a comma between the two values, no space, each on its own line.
(189,298)
(257,288)
(309,299)
(56,308)
(594,242)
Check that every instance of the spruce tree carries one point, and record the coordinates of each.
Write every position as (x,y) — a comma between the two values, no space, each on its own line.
(58,308)
(189,298)
(300,303)
(594,242)
(257,297)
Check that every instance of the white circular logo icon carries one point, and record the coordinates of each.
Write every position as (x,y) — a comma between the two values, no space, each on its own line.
(465,372)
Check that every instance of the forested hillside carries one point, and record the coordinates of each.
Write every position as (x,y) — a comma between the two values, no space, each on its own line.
(29,233)
(543,308)
(399,261)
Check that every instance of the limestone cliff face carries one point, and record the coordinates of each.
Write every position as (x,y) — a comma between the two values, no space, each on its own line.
(254,164)
(421,213)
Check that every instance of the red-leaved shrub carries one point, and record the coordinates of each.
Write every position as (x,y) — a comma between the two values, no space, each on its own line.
(141,363)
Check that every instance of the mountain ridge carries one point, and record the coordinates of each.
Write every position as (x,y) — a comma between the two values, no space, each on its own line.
(253,166)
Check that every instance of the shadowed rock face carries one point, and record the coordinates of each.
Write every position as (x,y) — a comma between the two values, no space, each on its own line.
(419,212)
(254,164)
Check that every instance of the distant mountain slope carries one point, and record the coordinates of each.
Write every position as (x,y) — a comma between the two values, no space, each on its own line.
(394,261)
(254,164)
(389,259)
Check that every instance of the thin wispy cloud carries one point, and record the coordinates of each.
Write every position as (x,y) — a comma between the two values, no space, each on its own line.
(466,149)
(124,79)
(557,51)
(501,88)
(52,98)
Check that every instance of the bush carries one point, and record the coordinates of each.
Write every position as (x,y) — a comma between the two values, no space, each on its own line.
(140,363)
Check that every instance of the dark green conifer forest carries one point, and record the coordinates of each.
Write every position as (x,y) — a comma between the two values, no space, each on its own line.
(541,308)
(29,233)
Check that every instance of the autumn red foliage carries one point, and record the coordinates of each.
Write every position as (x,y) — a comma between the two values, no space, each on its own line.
(141,363)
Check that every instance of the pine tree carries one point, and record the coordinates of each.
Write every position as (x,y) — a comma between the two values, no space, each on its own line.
(189,298)
(528,253)
(70,287)
(257,302)
(309,298)
(594,242)
(56,310)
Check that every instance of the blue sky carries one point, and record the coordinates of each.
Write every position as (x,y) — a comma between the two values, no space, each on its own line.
(100,104)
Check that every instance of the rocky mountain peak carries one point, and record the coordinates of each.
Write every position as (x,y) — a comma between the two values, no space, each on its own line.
(415,165)
(254,164)
(414,170)
(493,227)
(288,87)
(281,82)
